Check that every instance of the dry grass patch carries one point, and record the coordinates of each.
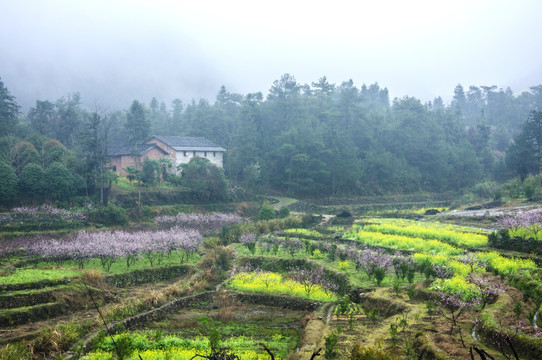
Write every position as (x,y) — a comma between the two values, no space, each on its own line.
(312,335)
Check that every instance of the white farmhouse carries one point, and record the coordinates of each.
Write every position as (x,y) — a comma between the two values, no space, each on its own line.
(182,149)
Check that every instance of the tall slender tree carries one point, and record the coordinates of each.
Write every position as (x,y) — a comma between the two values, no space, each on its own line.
(95,139)
(524,156)
(137,125)
(9,111)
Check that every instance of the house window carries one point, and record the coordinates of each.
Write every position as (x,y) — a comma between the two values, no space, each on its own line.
(114,168)
(205,154)
(214,153)
(194,153)
(186,153)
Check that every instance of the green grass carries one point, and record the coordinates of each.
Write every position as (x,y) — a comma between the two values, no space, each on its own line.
(124,184)
(23,276)
(43,271)
(37,291)
(8,312)
(525,234)
(152,344)
(262,329)
(303,233)
(119,266)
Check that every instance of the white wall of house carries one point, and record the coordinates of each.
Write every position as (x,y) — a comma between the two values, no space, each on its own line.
(184,157)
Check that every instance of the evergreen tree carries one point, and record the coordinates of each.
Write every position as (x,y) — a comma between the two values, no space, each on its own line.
(8,184)
(150,172)
(524,156)
(9,111)
(43,117)
(175,126)
(69,120)
(137,125)
(94,140)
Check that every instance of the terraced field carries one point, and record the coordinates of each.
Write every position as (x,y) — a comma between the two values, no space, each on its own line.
(394,288)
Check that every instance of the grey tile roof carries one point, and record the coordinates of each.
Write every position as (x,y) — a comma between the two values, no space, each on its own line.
(186,142)
(128,149)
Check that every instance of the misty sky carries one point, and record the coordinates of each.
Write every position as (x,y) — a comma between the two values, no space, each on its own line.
(113,52)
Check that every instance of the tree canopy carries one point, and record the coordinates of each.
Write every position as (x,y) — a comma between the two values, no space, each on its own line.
(206,180)
(524,156)
(308,140)
(9,110)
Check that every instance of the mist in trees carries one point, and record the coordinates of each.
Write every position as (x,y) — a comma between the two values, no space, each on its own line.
(321,139)
(524,156)
(9,110)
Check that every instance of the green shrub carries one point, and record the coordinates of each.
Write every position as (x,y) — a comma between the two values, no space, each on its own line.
(174,179)
(485,189)
(109,215)
(212,242)
(8,185)
(530,186)
(284,212)
(331,345)
(266,212)
(218,259)
(146,212)
(513,188)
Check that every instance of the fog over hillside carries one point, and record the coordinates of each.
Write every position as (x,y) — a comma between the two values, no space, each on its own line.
(114,52)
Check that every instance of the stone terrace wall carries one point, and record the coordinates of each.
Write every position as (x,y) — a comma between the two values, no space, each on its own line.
(278,301)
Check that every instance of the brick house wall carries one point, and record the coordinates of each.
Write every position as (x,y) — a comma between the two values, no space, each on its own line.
(120,163)
(164,146)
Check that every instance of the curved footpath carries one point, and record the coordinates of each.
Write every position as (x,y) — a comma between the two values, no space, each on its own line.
(283,201)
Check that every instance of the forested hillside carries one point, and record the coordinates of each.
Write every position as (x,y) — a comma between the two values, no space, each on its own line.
(311,140)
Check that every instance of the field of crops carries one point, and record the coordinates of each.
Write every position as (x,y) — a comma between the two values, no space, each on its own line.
(383,279)
(449,234)
(273,283)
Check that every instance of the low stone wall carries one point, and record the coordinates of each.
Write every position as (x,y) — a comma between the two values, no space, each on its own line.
(26,308)
(138,277)
(164,310)
(161,312)
(34,285)
(278,301)
(386,306)
(130,278)
(153,315)
(31,314)
(179,303)
(16,301)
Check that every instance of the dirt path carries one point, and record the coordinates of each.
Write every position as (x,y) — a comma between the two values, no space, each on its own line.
(283,201)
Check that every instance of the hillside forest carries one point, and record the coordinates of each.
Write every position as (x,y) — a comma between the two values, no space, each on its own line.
(342,225)
(317,140)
